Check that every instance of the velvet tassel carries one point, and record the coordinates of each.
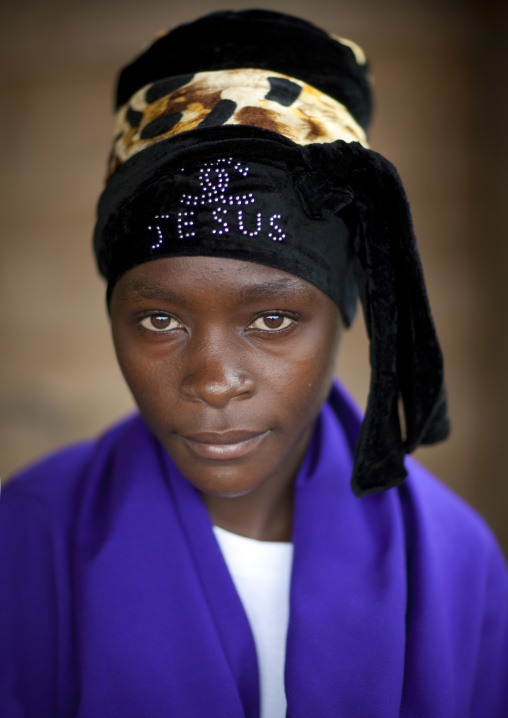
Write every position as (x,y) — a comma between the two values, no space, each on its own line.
(405,357)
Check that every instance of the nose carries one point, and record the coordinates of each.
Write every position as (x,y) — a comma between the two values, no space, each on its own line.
(216,379)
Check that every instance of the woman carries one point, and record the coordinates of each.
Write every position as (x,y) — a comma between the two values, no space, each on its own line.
(233,550)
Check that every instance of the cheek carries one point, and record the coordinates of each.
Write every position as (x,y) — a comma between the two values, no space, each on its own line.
(144,373)
(306,379)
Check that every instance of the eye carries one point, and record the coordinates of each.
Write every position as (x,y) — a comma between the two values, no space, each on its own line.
(159,323)
(272,322)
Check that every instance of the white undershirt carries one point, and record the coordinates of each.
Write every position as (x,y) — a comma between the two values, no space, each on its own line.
(261,572)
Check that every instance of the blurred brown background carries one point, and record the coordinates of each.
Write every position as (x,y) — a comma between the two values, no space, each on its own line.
(440,74)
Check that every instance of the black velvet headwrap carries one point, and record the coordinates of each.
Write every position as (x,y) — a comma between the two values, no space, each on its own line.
(223,192)
(333,213)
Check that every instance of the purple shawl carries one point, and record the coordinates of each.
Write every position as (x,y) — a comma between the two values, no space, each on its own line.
(115,599)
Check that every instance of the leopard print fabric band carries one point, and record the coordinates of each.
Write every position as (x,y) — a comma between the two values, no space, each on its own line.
(260,98)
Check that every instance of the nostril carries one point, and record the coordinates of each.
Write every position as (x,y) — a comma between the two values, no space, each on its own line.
(216,385)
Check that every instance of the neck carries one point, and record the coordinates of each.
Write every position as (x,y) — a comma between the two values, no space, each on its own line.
(265,514)
(251,517)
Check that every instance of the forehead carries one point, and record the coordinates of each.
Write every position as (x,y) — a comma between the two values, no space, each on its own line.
(184,277)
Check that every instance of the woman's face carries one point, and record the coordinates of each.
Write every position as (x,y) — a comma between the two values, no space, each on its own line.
(229,363)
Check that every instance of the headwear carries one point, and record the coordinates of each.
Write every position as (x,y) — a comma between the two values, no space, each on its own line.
(242,135)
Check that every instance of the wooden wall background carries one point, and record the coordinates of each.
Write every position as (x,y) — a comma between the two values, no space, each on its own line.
(441,80)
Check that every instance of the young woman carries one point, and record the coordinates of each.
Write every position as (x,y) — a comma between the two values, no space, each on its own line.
(234,550)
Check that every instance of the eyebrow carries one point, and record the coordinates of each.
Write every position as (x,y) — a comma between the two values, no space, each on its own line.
(283,288)
(142,289)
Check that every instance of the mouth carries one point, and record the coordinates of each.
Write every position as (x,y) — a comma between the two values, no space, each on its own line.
(223,446)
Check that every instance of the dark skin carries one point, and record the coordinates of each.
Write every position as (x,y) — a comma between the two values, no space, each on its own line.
(229,363)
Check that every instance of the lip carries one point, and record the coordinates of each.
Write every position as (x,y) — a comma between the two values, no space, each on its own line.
(224,446)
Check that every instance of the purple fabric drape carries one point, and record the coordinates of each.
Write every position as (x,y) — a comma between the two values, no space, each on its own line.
(115,599)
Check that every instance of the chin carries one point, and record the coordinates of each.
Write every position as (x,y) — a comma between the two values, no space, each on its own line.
(224,481)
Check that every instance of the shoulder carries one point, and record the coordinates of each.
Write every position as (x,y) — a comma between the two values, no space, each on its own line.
(446,541)
(457,582)
(432,509)
(453,555)
(50,477)
(52,485)
(431,512)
